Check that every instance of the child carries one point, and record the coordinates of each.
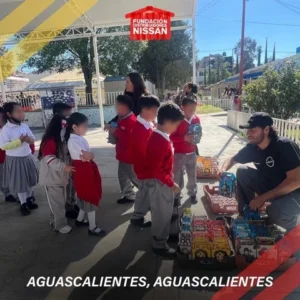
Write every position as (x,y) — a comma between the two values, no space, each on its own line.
(5,190)
(87,179)
(159,182)
(64,111)
(184,150)
(54,173)
(139,139)
(124,155)
(19,162)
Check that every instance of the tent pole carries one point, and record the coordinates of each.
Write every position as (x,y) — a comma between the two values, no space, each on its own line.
(99,92)
(194,47)
(2,86)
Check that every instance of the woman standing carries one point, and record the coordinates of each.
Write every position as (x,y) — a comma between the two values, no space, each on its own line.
(189,90)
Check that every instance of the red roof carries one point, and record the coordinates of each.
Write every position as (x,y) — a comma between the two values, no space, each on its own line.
(149,9)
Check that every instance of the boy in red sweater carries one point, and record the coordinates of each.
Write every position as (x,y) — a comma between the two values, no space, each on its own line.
(139,139)
(4,190)
(160,184)
(124,155)
(185,150)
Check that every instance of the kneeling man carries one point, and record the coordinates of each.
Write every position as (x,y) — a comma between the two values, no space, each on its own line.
(276,178)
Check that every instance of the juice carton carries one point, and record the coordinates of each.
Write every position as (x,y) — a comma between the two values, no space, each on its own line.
(227,185)
(196,131)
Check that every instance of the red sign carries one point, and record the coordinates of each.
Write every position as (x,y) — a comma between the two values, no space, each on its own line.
(150,23)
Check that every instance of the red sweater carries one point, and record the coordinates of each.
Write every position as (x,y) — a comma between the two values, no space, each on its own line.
(160,159)
(138,144)
(180,145)
(122,133)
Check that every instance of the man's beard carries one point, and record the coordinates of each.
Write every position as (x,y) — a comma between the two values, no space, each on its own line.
(259,139)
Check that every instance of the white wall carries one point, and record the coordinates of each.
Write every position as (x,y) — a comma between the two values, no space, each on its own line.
(34,119)
(235,119)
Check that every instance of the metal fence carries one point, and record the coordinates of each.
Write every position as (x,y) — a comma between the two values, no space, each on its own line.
(225,104)
(109,98)
(28,103)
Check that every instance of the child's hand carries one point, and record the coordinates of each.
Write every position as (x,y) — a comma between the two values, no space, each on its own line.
(189,138)
(23,138)
(83,159)
(112,130)
(29,140)
(107,127)
(88,155)
(175,188)
(69,169)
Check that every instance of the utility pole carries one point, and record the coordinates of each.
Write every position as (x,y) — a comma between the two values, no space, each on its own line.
(242,54)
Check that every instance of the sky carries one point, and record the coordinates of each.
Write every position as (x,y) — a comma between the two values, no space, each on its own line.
(218,28)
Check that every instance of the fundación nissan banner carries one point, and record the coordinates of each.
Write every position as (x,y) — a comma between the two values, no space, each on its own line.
(150,23)
(22,15)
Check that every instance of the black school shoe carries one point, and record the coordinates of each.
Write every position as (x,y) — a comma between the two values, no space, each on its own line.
(10,198)
(25,211)
(30,203)
(140,223)
(125,200)
(97,232)
(165,252)
(83,223)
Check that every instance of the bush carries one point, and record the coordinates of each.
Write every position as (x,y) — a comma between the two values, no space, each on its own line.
(276,93)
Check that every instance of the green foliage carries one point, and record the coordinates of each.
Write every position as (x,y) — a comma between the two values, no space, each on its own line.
(6,65)
(208,109)
(259,52)
(168,63)
(276,93)
(249,52)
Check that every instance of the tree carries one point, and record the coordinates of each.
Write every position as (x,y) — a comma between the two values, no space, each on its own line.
(249,52)
(6,65)
(276,93)
(274,53)
(116,55)
(219,64)
(266,52)
(259,52)
(167,62)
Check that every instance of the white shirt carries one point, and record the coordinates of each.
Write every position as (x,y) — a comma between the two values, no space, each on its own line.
(163,134)
(146,124)
(11,132)
(77,144)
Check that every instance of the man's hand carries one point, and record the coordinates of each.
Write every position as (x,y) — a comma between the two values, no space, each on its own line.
(189,138)
(69,169)
(257,203)
(175,188)
(88,155)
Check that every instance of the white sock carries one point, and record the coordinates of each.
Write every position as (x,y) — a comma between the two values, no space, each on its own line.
(29,193)
(81,215)
(92,220)
(22,197)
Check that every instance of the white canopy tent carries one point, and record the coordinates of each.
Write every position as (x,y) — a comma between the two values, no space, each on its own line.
(104,14)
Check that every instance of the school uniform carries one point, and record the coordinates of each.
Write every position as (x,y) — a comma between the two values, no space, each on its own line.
(19,162)
(124,155)
(139,139)
(185,157)
(87,179)
(54,179)
(4,189)
(159,183)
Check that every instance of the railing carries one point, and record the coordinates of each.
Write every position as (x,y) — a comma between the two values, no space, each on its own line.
(28,103)
(225,104)
(285,128)
(109,98)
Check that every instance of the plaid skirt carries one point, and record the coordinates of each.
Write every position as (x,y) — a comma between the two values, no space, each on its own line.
(20,173)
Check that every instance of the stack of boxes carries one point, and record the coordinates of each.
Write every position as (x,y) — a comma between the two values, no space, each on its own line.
(207,167)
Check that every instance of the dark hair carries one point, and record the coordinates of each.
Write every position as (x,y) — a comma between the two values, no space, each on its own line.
(273,134)
(2,110)
(60,107)
(125,100)
(138,84)
(193,87)
(169,112)
(9,108)
(149,101)
(188,100)
(53,130)
(75,119)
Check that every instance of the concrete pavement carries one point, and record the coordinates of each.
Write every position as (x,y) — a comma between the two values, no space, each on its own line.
(29,247)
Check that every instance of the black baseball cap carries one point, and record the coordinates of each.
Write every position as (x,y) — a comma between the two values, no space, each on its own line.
(259,119)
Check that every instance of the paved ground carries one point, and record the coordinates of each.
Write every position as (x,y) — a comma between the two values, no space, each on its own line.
(28,247)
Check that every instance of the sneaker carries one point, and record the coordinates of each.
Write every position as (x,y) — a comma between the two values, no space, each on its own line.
(81,223)
(125,200)
(25,211)
(140,223)
(65,230)
(30,203)
(165,252)
(193,200)
(10,198)
(97,232)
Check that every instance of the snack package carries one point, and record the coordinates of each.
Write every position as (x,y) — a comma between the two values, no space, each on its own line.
(186,219)
(111,138)
(251,215)
(196,131)
(246,248)
(227,185)
(264,245)
(201,251)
